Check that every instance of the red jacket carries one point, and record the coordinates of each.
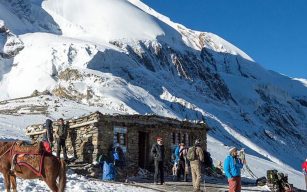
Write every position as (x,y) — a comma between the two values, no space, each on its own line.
(304,166)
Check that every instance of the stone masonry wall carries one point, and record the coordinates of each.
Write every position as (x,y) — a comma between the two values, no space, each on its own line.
(92,135)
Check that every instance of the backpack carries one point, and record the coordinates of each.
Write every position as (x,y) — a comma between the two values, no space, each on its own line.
(261,181)
(47,147)
(192,154)
(48,135)
(116,156)
(272,176)
(119,156)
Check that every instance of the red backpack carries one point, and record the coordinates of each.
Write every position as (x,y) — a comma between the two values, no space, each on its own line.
(47,147)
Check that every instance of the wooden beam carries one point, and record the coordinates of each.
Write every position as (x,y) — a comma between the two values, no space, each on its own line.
(82,124)
(36,133)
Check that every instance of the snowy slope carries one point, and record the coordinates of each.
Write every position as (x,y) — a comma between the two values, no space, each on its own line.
(122,56)
(99,22)
(75,183)
(257,165)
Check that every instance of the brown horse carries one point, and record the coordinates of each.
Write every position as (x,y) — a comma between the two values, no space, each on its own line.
(52,169)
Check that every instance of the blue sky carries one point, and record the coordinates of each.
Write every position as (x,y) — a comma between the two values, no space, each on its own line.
(272,32)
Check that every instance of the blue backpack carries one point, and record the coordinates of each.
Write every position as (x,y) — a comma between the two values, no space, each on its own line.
(108,171)
(116,156)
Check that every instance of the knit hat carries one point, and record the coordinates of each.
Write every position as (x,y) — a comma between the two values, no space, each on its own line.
(232,149)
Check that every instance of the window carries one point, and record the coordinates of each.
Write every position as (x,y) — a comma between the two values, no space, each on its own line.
(174,138)
(186,139)
(191,139)
(178,138)
(120,137)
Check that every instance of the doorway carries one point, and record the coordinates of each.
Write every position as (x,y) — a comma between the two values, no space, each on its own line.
(144,149)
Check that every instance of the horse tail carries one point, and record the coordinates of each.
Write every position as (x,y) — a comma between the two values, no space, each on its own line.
(62,176)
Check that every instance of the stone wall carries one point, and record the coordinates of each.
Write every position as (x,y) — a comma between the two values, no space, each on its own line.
(92,135)
(82,140)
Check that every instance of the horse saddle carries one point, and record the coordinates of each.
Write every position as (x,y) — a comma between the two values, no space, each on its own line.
(24,147)
(30,155)
(33,162)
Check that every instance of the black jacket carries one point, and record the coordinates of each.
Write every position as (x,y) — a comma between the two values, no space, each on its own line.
(48,135)
(63,131)
(158,152)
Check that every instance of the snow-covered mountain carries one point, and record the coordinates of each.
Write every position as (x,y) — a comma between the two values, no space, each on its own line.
(122,56)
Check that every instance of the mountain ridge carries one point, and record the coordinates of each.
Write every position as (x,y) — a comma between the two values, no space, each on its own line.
(174,72)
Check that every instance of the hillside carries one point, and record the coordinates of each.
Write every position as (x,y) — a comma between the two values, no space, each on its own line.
(124,57)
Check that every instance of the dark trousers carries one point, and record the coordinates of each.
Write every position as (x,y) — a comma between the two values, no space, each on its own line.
(181,170)
(159,168)
(61,144)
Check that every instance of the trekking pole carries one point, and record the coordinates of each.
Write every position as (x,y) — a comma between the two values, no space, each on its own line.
(242,157)
(250,172)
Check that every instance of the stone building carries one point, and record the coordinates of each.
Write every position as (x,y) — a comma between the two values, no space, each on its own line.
(92,135)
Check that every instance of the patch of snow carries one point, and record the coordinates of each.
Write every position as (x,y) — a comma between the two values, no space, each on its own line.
(103,20)
(75,183)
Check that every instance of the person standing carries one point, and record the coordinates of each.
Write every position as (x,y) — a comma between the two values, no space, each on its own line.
(175,160)
(61,135)
(158,153)
(196,157)
(120,163)
(232,168)
(208,163)
(48,136)
(182,162)
(304,167)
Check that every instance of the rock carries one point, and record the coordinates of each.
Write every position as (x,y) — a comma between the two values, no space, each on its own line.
(10,44)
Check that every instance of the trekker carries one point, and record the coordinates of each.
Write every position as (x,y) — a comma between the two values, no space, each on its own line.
(119,156)
(232,168)
(208,163)
(61,135)
(175,160)
(304,167)
(158,153)
(48,135)
(119,162)
(183,162)
(176,153)
(219,168)
(196,157)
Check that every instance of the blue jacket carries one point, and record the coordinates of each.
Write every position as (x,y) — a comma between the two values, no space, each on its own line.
(232,167)
(176,152)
